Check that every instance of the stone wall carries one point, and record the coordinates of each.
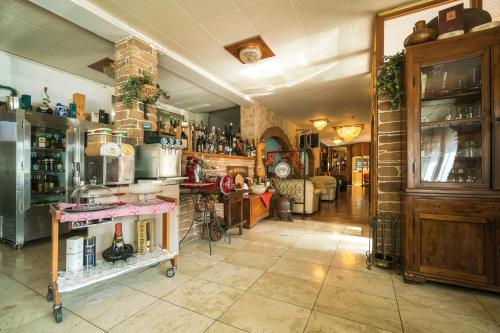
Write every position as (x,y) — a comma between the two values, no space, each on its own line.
(134,57)
(186,206)
(390,157)
(256,119)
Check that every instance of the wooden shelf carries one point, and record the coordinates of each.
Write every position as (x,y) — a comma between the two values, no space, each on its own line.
(453,95)
(453,122)
(48,149)
(198,154)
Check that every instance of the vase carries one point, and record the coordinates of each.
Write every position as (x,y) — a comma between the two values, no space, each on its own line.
(260,170)
(421,34)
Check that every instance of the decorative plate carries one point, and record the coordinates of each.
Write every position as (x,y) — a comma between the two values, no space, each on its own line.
(226,184)
(282,170)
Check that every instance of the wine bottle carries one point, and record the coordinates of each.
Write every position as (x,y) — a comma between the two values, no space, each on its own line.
(118,244)
(184,140)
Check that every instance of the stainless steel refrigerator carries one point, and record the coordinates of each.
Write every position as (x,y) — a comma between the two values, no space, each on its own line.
(41,160)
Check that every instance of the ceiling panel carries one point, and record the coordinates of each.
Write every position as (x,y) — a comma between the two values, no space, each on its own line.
(270,15)
(165,16)
(206,10)
(311,9)
(130,4)
(240,28)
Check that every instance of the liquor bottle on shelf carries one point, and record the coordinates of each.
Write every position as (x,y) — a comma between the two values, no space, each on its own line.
(184,140)
(117,245)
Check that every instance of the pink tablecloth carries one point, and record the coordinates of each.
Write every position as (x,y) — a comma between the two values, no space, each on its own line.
(125,210)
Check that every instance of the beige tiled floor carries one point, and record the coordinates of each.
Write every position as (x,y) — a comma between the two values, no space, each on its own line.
(280,277)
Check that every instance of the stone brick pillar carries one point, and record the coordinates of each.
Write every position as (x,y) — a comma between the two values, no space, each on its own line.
(390,157)
(133,57)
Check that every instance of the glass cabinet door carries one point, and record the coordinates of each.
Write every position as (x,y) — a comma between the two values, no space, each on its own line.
(451,123)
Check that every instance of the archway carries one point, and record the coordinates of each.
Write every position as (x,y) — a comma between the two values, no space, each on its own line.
(277,134)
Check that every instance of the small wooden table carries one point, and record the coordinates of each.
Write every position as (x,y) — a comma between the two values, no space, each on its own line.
(254,210)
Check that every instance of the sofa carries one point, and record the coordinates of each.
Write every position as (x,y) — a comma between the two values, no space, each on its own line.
(327,185)
(294,188)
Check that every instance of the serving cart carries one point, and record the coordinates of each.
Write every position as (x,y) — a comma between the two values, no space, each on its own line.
(61,282)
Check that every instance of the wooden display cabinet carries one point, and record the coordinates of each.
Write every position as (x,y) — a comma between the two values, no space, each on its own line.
(254,210)
(452,214)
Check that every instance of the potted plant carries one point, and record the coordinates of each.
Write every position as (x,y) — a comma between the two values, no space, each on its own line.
(142,89)
(390,79)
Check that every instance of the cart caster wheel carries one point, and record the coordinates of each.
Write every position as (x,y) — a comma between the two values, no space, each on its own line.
(58,314)
(50,295)
(171,272)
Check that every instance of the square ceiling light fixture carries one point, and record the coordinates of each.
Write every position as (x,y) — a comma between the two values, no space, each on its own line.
(250,50)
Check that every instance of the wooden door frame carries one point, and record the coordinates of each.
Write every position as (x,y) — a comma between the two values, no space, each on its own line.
(377,60)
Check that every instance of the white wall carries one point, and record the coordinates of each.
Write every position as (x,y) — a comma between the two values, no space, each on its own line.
(29,78)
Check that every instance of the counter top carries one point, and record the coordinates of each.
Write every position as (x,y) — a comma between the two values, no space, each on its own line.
(197,154)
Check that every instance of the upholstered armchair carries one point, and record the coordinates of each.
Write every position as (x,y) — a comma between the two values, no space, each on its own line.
(327,185)
(294,188)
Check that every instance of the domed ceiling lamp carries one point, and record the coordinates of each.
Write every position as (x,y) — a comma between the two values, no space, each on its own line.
(320,124)
(337,141)
(250,54)
(348,132)
(250,51)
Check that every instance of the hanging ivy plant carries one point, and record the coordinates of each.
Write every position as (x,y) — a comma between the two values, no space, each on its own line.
(390,79)
(141,89)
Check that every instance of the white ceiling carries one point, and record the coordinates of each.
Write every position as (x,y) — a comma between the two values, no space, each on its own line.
(322,49)
(34,33)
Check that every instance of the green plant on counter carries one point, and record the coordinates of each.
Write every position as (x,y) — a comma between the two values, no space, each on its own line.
(13,92)
(390,79)
(133,90)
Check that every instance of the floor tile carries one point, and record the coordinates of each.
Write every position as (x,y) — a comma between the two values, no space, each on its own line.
(432,294)
(323,323)
(266,247)
(300,269)
(193,265)
(232,275)
(491,301)
(367,309)
(285,240)
(71,323)
(462,318)
(356,262)
(322,257)
(205,297)
(312,244)
(378,285)
(354,244)
(162,316)
(236,243)
(201,250)
(251,260)
(154,282)
(19,305)
(255,313)
(219,327)
(110,306)
(287,289)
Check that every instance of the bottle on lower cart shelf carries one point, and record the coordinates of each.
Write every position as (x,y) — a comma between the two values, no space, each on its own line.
(89,247)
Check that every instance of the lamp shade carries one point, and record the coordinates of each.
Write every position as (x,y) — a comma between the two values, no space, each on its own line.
(319,124)
(348,132)
(337,141)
